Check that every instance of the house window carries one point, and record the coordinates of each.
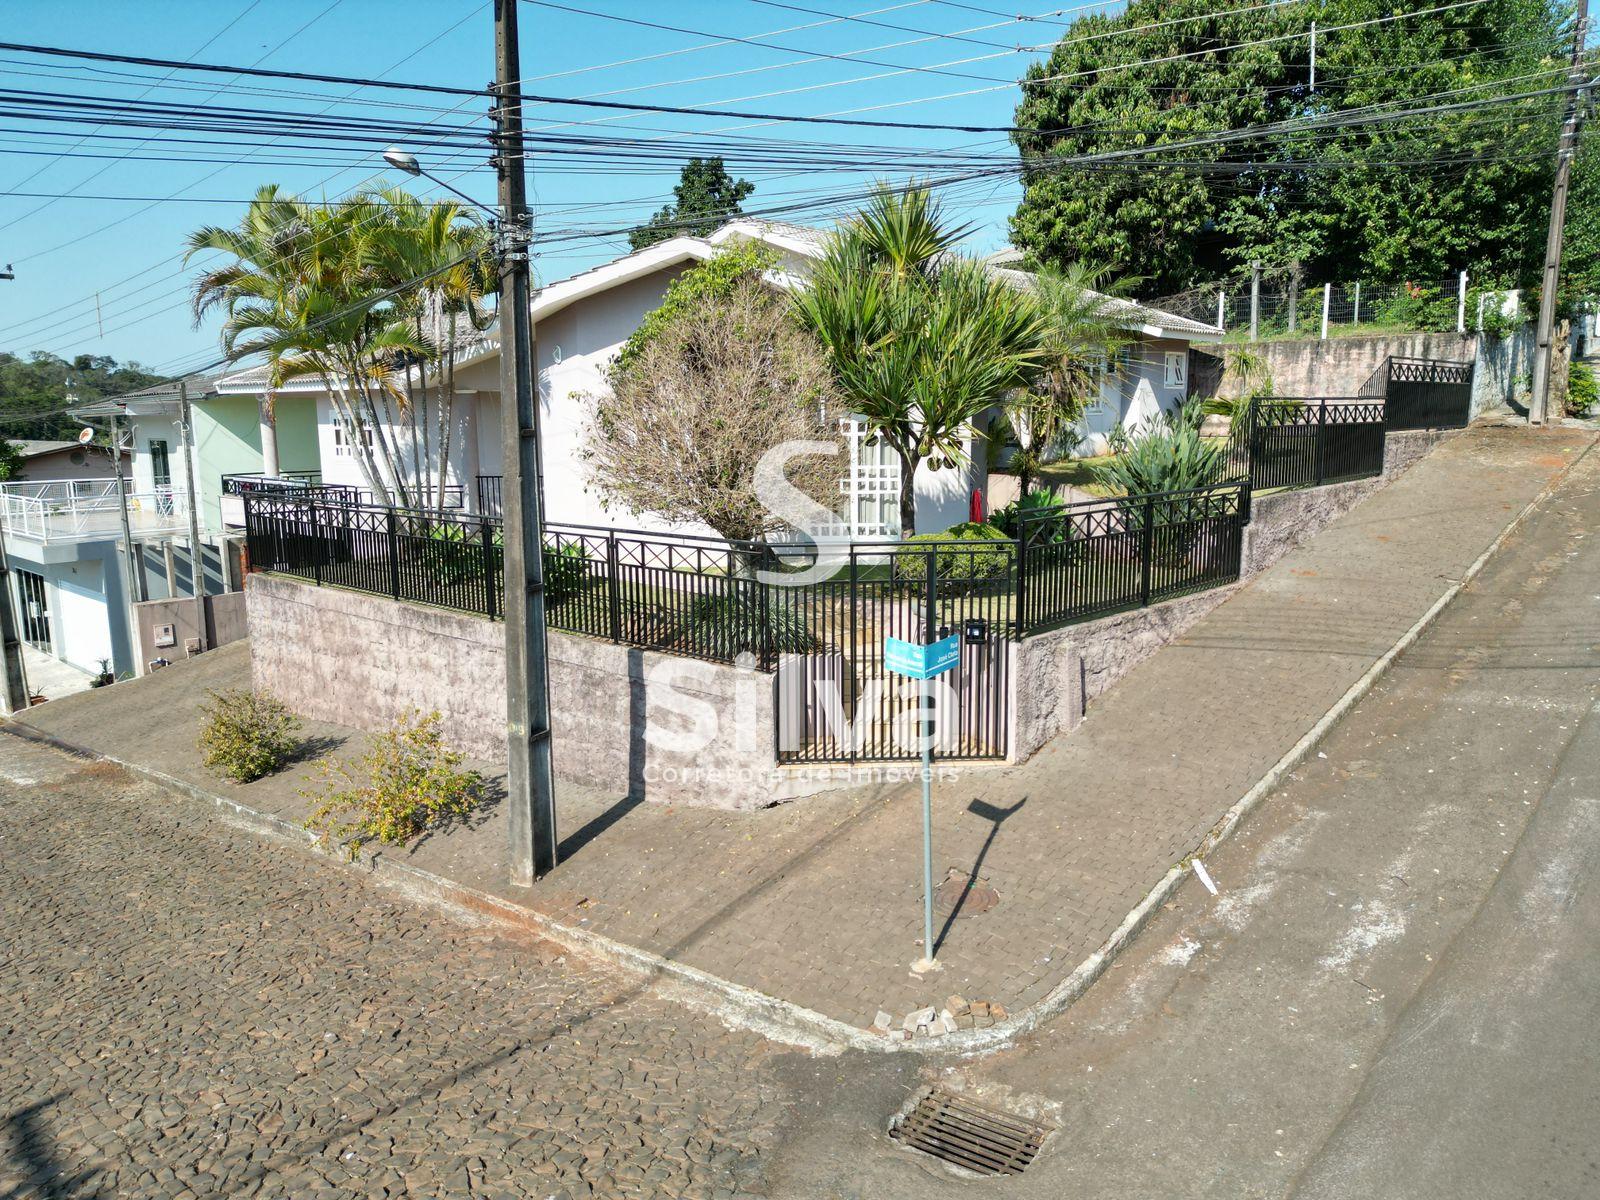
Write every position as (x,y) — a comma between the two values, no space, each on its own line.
(341,438)
(1176,373)
(872,487)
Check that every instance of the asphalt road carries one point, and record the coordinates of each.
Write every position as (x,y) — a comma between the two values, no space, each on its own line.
(1397,991)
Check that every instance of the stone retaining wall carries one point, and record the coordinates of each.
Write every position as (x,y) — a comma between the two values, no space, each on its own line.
(650,725)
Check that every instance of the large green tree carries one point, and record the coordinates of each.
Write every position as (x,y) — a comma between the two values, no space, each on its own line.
(705,197)
(335,292)
(34,390)
(1409,199)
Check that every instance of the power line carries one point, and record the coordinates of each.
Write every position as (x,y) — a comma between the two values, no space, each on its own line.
(779,47)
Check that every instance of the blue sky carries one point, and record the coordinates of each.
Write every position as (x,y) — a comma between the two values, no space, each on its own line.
(67,250)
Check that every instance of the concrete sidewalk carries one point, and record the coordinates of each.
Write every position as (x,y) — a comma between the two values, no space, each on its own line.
(818,903)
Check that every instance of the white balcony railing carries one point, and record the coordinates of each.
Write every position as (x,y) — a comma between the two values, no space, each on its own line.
(86,510)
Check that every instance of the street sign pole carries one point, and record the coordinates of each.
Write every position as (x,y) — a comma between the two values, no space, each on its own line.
(923,662)
(925,726)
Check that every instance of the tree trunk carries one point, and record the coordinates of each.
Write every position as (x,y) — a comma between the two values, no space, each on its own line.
(447,404)
(908,494)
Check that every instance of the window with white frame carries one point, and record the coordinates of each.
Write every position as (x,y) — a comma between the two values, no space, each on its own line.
(1176,371)
(341,438)
(871,489)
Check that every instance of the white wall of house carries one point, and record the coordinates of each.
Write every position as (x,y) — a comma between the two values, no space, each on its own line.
(1150,379)
(573,349)
(340,464)
(148,429)
(85,599)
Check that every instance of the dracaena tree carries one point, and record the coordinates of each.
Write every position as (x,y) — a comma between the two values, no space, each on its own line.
(921,339)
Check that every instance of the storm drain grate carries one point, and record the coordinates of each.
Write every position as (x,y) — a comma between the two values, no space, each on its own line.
(974,1136)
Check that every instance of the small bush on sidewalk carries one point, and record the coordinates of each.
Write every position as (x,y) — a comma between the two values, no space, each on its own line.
(247,734)
(408,782)
(1583,392)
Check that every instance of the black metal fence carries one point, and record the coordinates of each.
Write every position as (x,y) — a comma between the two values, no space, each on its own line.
(451,561)
(1093,558)
(245,482)
(817,616)
(836,699)
(1422,393)
(1286,442)
(489,495)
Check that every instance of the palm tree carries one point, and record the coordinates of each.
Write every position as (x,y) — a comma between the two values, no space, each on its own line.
(306,291)
(448,248)
(265,249)
(1084,327)
(921,339)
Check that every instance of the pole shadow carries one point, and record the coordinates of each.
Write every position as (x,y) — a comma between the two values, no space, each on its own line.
(996,816)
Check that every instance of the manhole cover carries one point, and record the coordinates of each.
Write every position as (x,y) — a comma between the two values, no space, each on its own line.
(970,1135)
(979,896)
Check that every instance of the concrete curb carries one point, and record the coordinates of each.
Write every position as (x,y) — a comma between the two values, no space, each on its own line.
(743,1007)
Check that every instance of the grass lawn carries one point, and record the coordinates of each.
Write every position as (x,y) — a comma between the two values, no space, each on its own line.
(1077,473)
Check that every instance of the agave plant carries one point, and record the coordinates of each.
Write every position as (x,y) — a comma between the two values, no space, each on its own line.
(1164,457)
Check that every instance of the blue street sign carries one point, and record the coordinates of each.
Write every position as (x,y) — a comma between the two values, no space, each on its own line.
(918,661)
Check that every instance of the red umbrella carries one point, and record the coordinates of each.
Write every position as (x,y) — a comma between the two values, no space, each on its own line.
(975,513)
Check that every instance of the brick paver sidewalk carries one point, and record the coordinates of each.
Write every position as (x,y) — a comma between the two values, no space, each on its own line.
(818,902)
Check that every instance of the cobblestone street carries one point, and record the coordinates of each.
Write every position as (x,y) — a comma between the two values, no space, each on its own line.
(188,1012)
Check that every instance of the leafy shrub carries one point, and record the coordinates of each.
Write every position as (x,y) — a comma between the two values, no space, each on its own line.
(247,734)
(1416,306)
(458,554)
(1583,391)
(1039,511)
(459,557)
(1164,457)
(407,782)
(566,570)
(958,562)
(104,677)
(727,625)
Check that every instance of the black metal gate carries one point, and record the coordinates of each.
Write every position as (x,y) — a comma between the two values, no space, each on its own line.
(836,701)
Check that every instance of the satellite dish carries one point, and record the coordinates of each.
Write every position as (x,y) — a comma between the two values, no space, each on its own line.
(85,436)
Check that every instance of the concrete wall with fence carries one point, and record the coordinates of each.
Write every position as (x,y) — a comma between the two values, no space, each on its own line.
(1339,367)
(626,720)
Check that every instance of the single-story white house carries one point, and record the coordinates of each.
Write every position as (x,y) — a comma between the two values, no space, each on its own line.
(582,322)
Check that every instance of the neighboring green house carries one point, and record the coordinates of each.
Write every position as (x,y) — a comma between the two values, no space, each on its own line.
(227,437)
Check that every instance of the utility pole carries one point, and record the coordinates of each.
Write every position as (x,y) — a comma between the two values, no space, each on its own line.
(530,780)
(197,565)
(135,566)
(1313,56)
(16,671)
(1539,402)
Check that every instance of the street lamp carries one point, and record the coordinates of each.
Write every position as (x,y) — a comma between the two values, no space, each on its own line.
(404,160)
